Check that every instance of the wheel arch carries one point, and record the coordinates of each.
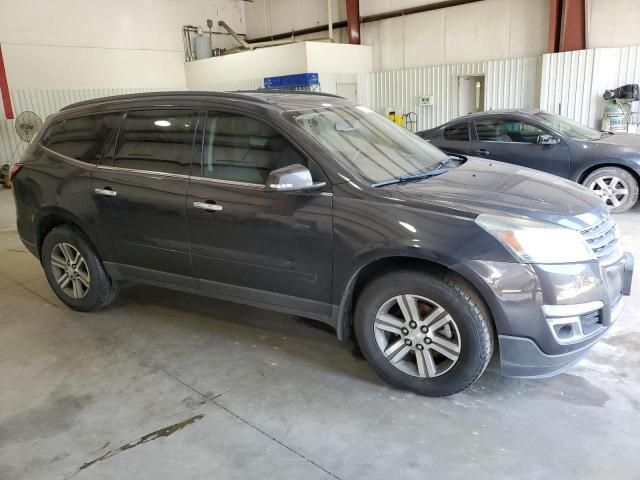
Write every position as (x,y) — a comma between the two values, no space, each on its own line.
(589,170)
(51,218)
(380,266)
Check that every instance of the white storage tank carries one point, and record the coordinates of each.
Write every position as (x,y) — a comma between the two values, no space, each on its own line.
(203,46)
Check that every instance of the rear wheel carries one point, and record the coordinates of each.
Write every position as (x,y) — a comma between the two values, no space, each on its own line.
(426,333)
(617,187)
(74,270)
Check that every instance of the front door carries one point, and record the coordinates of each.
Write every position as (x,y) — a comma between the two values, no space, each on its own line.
(140,192)
(515,141)
(267,248)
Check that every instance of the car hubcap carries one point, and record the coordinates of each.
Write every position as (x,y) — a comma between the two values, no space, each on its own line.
(613,190)
(70,270)
(417,336)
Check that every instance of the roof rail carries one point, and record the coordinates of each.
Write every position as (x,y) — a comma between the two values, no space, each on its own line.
(178,93)
(289,92)
(238,94)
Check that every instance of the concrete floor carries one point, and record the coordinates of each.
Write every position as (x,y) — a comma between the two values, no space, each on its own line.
(170,385)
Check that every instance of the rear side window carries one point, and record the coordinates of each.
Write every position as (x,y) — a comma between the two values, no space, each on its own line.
(83,138)
(156,141)
(243,149)
(459,132)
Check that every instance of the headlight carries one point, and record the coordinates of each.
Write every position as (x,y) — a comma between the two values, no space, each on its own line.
(536,242)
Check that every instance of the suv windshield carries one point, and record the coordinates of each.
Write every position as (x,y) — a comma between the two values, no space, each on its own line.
(567,127)
(377,149)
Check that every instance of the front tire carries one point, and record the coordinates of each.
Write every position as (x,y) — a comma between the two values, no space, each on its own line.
(617,187)
(75,272)
(427,333)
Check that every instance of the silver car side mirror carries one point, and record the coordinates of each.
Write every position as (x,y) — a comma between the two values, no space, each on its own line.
(546,139)
(294,178)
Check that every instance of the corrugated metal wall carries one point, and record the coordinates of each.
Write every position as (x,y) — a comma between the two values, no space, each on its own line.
(508,83)
(573,82)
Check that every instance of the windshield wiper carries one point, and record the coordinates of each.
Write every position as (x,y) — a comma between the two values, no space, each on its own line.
(439,169)
(409,178)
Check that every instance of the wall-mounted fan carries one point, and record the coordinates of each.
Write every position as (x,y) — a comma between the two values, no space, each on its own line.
(27,125)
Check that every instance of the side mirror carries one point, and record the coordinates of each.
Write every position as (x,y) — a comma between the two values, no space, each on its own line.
(294,178)
(546,139)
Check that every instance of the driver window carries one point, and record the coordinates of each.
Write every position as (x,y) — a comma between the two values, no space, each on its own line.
(507,131)
(243,149)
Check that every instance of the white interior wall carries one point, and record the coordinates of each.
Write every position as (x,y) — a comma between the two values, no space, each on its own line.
(613,23)
(490,29)
(65,44)
(319,57)
(271,17)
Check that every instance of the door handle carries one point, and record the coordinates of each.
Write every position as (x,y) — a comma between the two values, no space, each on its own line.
(482,151)
(105,192)
(211,207)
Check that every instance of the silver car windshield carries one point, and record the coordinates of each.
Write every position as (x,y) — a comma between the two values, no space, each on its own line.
(567,127)
(375,147)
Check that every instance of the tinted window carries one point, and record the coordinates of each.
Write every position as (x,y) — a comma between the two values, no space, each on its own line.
(243,149)
(156,140)
(507,131)
(83,138)
(458,132)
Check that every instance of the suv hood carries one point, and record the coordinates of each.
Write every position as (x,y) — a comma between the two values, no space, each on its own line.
(481,186)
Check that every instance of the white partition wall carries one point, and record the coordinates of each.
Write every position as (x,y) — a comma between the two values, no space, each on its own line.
(573,82)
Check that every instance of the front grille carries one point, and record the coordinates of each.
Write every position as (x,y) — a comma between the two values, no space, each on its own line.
(602,238)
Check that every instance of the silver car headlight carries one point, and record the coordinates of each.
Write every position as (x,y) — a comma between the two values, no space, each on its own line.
(530,241)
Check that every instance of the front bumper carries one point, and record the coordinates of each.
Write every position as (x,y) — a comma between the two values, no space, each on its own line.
(548,316)
(522,358)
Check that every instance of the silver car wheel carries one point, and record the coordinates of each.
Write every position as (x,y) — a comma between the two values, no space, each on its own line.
(417,336)
(613,190)
(70,270)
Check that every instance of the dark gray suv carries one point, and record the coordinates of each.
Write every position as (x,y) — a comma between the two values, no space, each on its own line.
(311,205)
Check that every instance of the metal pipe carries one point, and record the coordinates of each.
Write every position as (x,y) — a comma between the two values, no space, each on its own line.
(412,10)
(235,36)
(296,33)
(330,19)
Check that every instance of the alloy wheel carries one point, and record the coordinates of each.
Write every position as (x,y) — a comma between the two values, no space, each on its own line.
(70,270)
(417,336)
(613,190)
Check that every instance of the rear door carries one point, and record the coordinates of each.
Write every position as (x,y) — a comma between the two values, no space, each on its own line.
(140,190)
(452,139)
(514,140)
(270,248)
(456,138)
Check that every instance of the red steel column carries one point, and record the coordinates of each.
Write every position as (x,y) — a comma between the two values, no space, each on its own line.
(555,17)
(4,90)
(353,21)
(573,35)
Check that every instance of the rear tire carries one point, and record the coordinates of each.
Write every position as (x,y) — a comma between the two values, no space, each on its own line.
(617,187)
(75,271)
(424,332)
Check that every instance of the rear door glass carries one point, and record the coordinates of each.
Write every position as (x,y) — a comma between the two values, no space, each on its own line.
(156,141)
(459,132)
(83,138)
